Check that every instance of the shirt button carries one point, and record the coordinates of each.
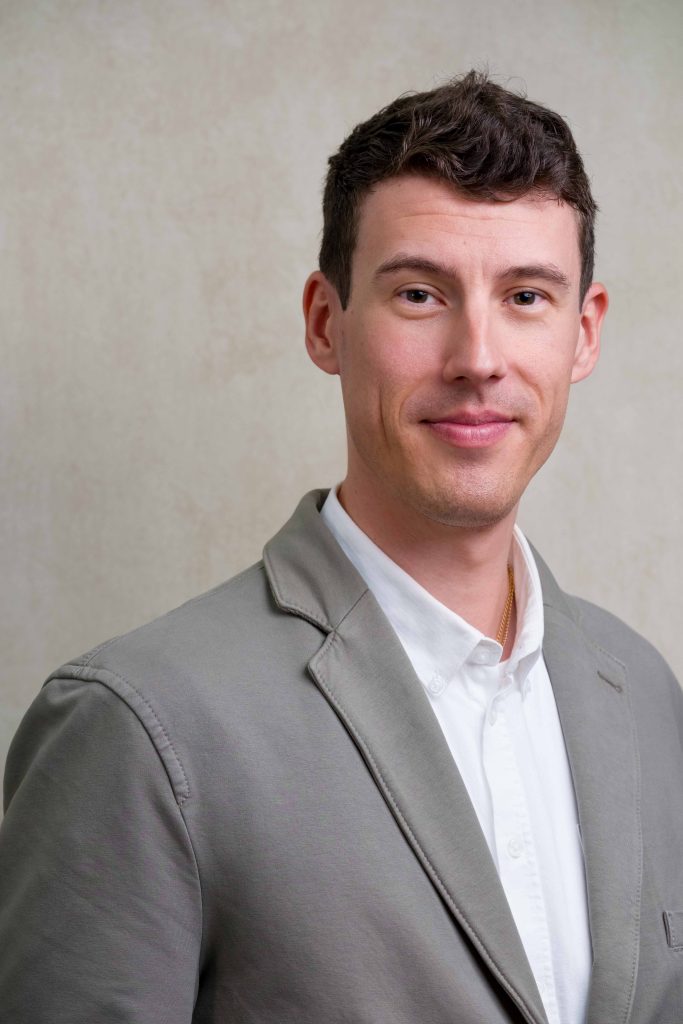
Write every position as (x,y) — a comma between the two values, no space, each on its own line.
(515,848)
(436,685)
(493,715)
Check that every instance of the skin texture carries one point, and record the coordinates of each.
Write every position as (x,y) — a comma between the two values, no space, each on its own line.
(462,336)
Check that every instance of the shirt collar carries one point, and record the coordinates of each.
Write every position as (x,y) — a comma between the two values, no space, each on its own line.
(439,642)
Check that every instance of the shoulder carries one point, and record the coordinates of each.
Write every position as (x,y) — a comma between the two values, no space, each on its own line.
(601,628)
(235,623)
(613,640)
(655,693)
(216,664)
(243,595)
(615,637)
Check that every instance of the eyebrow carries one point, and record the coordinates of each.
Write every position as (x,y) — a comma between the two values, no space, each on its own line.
(537,271)
(418,263)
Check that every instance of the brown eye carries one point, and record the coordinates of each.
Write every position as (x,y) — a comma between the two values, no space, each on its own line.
(416,295)
(524,298)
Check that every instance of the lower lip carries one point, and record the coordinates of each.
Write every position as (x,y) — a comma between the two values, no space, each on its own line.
(471,435)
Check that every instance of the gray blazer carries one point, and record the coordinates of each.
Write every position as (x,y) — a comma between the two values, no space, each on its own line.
(247,812)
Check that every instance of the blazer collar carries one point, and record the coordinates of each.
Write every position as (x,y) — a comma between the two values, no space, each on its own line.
(363,672)
(308,572)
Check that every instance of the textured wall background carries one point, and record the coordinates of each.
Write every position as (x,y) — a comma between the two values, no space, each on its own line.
(160,173)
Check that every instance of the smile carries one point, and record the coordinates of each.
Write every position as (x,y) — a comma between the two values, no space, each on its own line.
(465,430)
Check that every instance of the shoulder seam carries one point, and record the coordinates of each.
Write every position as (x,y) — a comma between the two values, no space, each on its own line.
(146,714)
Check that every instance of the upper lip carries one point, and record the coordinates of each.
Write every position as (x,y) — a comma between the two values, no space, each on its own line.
(472,417)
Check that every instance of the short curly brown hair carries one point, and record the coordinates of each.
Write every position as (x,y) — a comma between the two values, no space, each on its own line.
(489,142)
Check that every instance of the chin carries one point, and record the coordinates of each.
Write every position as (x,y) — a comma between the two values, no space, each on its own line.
(458,507)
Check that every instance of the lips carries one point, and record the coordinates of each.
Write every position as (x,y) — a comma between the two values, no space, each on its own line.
(465,428)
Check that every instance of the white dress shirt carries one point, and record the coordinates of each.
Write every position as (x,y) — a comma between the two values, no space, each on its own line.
(501,724)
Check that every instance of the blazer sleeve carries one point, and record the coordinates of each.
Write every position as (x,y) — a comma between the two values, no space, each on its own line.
(100,902)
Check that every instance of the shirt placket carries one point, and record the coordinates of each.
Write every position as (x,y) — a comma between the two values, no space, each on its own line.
(514,846)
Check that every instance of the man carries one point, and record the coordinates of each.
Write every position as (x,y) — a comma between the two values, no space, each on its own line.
(391,773)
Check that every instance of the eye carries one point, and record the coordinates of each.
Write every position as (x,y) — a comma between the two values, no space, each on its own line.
(416,296)
(526,298)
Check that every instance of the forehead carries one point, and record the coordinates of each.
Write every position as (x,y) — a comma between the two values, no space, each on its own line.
(428,216)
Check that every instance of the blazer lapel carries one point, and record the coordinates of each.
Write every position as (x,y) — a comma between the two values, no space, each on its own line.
(365,675)
(591,692)
(367,678)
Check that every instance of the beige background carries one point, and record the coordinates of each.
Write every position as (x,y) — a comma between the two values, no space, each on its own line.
(160,172)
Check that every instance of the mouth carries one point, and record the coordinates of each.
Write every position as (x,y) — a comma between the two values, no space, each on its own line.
(471,429)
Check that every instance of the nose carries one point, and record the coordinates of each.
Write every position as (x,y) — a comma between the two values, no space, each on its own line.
(473,350)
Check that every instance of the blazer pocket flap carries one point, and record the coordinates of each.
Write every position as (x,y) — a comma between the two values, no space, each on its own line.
(673,922)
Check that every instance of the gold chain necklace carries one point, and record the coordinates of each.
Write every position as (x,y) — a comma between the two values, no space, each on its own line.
(504,628)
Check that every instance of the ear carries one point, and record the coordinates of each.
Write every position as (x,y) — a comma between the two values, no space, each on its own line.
(588,345)
(322,313)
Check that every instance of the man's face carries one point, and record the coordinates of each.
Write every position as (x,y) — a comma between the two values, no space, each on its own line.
(456,351)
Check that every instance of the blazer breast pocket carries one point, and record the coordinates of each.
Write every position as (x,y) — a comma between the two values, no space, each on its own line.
(673,923)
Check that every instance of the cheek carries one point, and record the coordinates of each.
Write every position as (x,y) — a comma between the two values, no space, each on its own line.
(553,392)
(548,366)
(379,375)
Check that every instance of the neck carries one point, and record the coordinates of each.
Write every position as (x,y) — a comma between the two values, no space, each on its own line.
(465,568)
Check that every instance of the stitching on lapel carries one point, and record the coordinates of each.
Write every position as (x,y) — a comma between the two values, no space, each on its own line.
(290,606)
(612,657)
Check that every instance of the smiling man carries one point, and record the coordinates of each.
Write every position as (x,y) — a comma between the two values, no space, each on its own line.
(465,324)
(391,773)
